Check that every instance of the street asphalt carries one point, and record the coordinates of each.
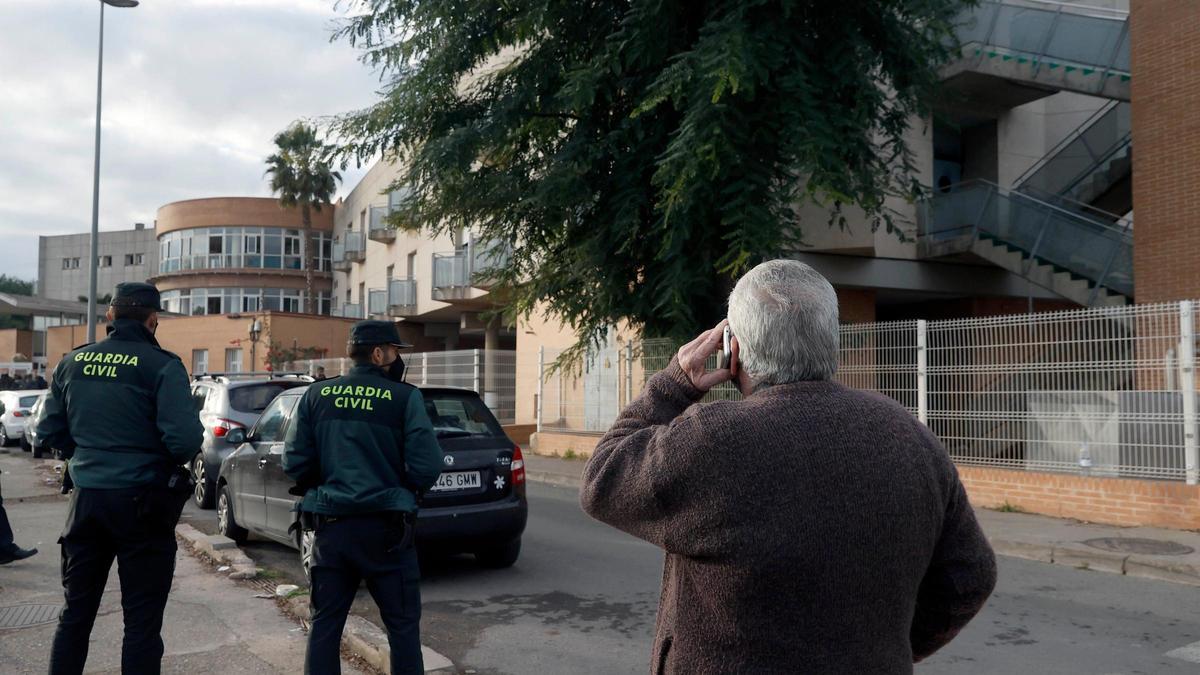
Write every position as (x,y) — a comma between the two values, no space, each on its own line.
(582,599)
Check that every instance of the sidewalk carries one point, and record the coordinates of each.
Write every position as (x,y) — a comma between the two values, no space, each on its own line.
(211,623)
(1166,555)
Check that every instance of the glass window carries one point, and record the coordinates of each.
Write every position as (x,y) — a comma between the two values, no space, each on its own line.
(269,428)
(199,361)
(460,414)
(272,244)
(128,259)
(199,396)
(233,360)
(214,305)
(66,263)
(254,398)
(139,258)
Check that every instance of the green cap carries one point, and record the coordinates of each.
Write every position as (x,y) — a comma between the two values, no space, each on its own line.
(136,294)
(376,333)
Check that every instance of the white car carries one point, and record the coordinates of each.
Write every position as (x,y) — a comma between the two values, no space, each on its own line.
(14,411)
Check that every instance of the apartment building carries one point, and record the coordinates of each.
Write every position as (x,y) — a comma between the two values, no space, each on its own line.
(125,255)
(224,255)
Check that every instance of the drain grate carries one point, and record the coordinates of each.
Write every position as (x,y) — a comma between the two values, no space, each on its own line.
(24,616)
(1140,546)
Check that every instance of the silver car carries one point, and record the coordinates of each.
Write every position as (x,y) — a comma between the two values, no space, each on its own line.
(14,412)
(228,401)
(29,441)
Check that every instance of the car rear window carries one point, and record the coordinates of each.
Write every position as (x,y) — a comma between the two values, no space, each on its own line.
(254,398)
(455,414)
(28,401)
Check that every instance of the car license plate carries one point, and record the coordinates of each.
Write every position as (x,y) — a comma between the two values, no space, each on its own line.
(457,480)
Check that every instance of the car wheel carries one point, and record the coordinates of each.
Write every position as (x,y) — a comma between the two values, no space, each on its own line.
(226,524)
(304,541)
(24,443)
(205,485)
(4,440)
(500,556)
(38,453)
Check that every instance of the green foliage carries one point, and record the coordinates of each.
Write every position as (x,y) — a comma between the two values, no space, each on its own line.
(19,287)
(280,357)
(301,175)
(639,155)
(14,285)
(100,301)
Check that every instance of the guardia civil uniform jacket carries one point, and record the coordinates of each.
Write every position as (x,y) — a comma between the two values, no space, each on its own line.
(363,443)
(123,408)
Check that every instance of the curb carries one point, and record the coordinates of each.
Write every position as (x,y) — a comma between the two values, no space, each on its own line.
(558,479)
(361,637)
(1085,558)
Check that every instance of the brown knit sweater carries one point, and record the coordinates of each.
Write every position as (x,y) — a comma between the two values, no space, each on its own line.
(810,528)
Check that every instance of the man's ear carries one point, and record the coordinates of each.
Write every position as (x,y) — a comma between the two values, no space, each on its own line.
(733,356)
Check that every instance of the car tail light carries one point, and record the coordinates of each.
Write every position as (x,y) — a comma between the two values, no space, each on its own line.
(518,466)
(224,426)
(18,413)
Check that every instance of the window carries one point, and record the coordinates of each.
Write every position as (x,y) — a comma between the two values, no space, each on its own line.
(128,259)
(270,426)
(214,305)
(233,360)
(391,272)
(199,396)
(199,361)
(106,261)
(412,263)
(139,258)
(66,263)
(456,414)
(254,398)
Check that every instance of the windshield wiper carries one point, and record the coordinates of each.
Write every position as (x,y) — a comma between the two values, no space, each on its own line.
(455,433)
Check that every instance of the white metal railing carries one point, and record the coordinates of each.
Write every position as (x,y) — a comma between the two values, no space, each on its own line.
(1102,392)
(490,373)
(402,293)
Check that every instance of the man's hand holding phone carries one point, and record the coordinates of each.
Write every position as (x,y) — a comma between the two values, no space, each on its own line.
(694,355)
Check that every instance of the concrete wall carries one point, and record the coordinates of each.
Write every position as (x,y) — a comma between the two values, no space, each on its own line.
(13,342)
(59,284)
(1166,166)
(185,335)
(235,211)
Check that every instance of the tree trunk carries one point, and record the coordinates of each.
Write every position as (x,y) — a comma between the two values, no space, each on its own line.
(309,260)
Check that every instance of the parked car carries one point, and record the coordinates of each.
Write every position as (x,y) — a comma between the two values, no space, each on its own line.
(14,411)
(29,440)
(477,506)
(228,401)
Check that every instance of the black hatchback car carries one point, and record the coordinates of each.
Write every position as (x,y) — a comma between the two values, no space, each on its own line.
(477,506)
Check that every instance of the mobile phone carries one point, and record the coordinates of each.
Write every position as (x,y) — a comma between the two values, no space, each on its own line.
(726,350)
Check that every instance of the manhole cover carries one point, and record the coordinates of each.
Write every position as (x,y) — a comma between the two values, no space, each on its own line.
(1142,546)
(24,616)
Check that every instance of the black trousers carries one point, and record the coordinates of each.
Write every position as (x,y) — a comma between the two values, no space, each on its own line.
(103,525)
(347,551)
(6,533)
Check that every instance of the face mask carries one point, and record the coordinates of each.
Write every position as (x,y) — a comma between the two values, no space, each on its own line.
(395,370)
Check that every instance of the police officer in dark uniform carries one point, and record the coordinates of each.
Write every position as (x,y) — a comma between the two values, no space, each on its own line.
(362,450)
(121,411)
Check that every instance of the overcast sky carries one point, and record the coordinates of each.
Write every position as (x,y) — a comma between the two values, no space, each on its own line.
(194,91)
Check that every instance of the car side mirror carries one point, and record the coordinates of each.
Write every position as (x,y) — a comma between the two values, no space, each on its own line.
(235,436)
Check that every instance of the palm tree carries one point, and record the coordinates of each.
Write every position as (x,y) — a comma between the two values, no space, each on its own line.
(301,176)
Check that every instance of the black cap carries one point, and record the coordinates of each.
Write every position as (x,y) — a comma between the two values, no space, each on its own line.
(136,294)
(376,333)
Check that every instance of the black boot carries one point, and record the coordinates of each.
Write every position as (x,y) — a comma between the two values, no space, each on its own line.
(16,553)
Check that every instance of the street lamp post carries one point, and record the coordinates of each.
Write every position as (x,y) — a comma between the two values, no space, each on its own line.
(95,252)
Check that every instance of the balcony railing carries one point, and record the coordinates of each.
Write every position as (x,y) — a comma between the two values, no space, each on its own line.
(349,311)
(377,301)
(379,229)
(402,297)
(469,267)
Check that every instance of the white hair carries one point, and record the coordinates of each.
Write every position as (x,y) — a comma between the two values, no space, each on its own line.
(785,317)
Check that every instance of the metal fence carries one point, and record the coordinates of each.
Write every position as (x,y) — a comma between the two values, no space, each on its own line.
(490,373)
(1104,391)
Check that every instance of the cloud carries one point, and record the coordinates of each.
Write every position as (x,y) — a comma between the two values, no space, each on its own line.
(194,91)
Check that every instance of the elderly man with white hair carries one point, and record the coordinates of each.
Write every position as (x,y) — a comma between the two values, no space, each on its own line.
(810,527)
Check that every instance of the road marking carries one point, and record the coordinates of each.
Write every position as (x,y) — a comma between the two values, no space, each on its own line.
(1187,653)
